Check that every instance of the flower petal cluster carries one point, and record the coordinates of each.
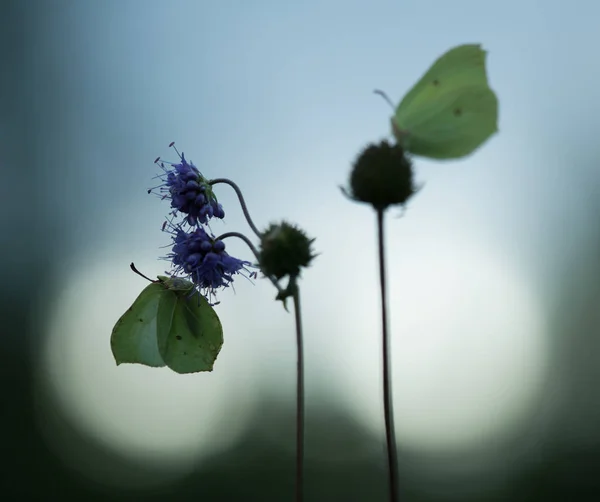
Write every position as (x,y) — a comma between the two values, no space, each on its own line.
(201,257)
(189,191)
(196,254)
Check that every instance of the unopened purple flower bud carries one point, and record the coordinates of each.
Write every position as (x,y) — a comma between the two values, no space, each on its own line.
(219,212)
(211,257)
(177,201)
(194,259)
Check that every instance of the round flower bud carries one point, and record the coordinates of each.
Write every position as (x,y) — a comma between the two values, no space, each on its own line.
(284,250)
(382,176)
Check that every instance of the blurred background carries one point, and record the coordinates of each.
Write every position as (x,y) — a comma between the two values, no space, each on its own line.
(493,269)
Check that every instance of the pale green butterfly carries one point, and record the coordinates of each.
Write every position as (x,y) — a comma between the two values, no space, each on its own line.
(451,110)
(166,326)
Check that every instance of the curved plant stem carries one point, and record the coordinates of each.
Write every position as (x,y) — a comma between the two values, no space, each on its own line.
(388,409)
(254,251)
(299,399)
(242,202)
(240,236)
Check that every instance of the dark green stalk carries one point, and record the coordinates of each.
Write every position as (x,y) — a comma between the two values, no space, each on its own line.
(299,400)
(291,290)
(388,408)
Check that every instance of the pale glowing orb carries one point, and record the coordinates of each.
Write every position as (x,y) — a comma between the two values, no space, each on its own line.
(469,346)
(152,416)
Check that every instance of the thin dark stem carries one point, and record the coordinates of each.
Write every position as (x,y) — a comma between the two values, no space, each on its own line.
(388,409)
(254,251)
(299,400)
(242,202)
(240,236)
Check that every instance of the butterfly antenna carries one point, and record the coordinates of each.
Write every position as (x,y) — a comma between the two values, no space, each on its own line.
(384,96)
(132,267)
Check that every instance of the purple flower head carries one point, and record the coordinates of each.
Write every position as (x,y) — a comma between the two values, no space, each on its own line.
(190,192)
(203,259)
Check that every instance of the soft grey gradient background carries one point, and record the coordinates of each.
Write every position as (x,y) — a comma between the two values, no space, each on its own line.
(492,269)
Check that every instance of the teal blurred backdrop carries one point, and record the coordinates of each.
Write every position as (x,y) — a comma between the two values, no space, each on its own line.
(494,266)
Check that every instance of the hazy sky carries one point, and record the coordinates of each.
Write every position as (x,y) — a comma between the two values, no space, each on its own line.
(278,97)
